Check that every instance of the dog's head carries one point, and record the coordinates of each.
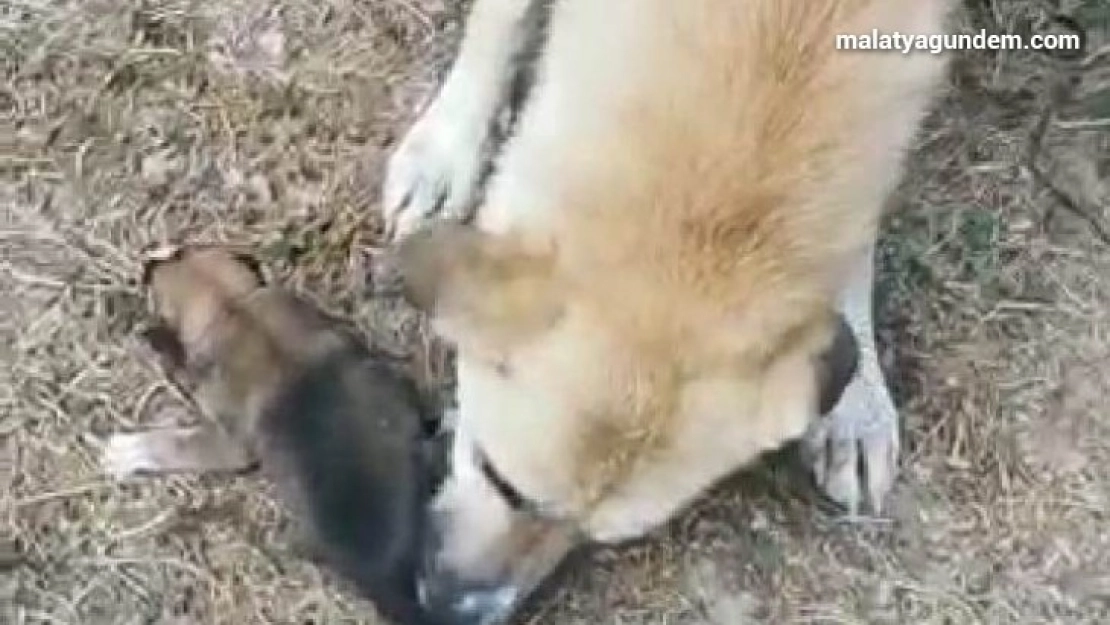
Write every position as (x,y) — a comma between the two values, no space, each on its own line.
(593,409)
(188,284)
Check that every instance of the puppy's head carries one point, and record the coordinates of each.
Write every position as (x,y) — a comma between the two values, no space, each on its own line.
(189,284)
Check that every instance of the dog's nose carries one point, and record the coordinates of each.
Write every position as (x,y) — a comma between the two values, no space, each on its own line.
(453,603)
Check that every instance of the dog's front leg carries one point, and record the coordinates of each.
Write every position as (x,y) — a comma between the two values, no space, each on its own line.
(436,169)
(853,451)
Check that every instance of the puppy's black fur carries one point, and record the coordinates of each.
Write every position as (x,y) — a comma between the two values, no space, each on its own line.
(338,427)
(837,366)
(361,505)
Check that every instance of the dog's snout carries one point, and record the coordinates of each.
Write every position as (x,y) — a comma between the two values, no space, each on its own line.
(452,602)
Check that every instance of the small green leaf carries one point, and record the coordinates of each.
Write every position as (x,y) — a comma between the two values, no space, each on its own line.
(1093,15)
(980,230)
(1097,105)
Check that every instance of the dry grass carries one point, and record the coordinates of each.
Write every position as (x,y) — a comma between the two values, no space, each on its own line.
(267,122)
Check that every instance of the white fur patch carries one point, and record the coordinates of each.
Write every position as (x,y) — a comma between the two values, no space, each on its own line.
(159,252)
(127,455)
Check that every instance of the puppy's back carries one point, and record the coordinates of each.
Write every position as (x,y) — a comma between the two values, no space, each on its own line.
(342,440)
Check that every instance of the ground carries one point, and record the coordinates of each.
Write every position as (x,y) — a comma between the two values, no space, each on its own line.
(267,122)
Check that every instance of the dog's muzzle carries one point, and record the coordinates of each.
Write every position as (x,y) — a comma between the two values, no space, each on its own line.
(449,602)
(454,601)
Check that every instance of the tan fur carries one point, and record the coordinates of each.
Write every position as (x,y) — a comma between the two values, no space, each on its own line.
(330,421)
(686,194)
(260,335)
(212,302)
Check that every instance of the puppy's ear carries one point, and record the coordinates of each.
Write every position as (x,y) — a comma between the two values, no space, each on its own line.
(476,285)
(836,366)
(252,265)
(165,344)
(154,254)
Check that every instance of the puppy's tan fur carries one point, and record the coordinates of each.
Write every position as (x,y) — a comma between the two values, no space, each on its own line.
(332,423)
(214,302)
(655,266)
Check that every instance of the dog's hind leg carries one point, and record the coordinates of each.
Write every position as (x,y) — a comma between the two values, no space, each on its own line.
(853,451)
(437,168)
(197,449)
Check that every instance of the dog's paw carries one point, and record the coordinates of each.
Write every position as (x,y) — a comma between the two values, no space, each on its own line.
(435,171)
(853,451)
(129,455)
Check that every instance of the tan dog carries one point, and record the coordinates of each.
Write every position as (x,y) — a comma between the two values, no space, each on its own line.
(334,425)
(689,197)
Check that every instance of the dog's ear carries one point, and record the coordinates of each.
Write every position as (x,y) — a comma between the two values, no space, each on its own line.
(836,366)
(478,286)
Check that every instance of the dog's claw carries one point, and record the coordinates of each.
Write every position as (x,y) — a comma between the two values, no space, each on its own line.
(853,452)
(435,171)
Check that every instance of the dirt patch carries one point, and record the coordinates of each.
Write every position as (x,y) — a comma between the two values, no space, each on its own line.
(267,122)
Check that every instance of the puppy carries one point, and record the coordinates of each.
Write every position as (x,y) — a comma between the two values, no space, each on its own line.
(330,422)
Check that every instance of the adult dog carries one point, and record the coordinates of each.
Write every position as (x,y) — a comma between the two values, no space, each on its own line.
(687,204)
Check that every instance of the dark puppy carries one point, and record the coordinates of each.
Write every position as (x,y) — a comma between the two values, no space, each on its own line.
(335,426)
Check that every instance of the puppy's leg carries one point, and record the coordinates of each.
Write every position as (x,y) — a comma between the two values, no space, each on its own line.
(437,167)
(200,449)
(853,451)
